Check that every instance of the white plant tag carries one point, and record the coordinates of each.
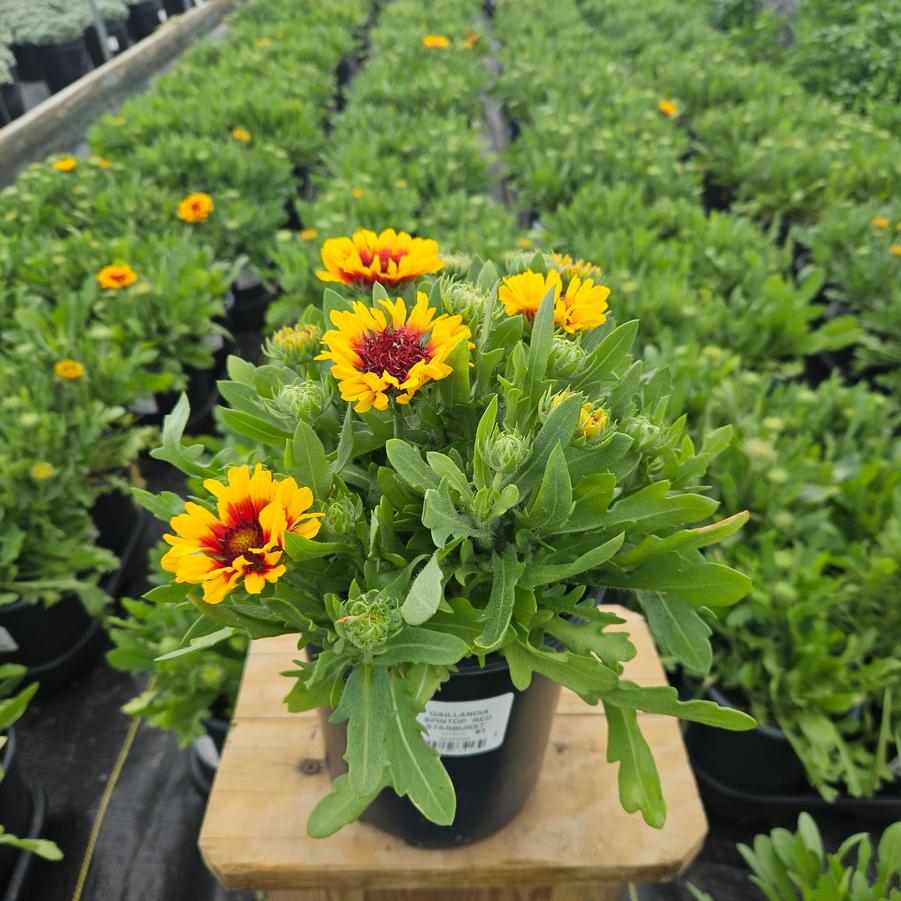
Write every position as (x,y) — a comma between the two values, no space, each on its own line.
(7,642)
(465,728)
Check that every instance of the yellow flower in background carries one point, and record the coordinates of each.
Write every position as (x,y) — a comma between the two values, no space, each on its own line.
(357,193)
(40,472)
(386,352)
(569,267)
(308,234)
(241,134)
(880,222)
(390,258)
(294,339)
(668,108)
(244,539)
(401,184)
(119,121)
(65,164)
(118,275)
(196,208)
(101,162)
(580,308)
(895,250)
(263,43)
(472,38)
(69,370)
(435,41)
(524,243)
(592,421)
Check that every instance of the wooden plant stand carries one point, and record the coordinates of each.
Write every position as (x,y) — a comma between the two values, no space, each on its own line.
(572,842)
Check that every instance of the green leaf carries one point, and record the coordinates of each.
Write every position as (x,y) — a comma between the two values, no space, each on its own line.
(410,467)
(540,344)
(254,428)
(679,630)
(653,508)
(168,594)
(42,847)
(310,460)
(345,443)
(539,574)
(414,644)
(590,638)
(365,705)
(416,769)
(481,470)
(13,708)
(558,428)
(639,781)
(890,853)
(684,540)
(505,571)
(163,506)
(609,353)
(593,496)
(198,644)
(441,516)
(445,468)
(701,583)
(342,805)
(425,593)
(664,699)
(299,547)
(553,501)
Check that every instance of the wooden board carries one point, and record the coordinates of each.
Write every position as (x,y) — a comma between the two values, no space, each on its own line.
(572,830)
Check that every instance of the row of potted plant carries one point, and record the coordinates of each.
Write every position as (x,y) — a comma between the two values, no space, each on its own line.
(731,316)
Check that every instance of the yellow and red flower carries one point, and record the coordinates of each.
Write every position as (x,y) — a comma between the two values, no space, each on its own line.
(582,306)
(471,39)
(384,351)
(390,258)
(668,108)
(244,539)
(65,164)
(435,41)
(196,208)
(118,275)
(68,370)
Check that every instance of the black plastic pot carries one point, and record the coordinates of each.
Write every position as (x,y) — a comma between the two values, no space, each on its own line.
(12,105)
(63,63)
(205,754)
(760,760)
(143,19)
(491,785)
(116,517)
(246,310)
(56,643)
(28,62)
(175,7)
(15,806)
(92,41)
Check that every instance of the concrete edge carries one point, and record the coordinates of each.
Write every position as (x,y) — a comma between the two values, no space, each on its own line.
(50,126)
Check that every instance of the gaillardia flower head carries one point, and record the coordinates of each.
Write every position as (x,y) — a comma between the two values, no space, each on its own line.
(68,370)
(569,267)
(42,471)
(580,308)
(65,164)
(241,134)
(384,351)
(196,208)
(668,108)
(435,41)
(244,539)
(117,275)
(881,222)
(391,258)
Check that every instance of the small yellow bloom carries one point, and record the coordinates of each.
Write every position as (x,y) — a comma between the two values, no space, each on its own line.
(435,41)
(881,222)
(581,307)
(65,164)
(308,234)
(246,540)
(668,108)
(592,421)
(119,120)
(241,134)
(263,43)
(118,275)
(390,258)
(101,162)
(524,243)
(196,208)
(569,267)
(357,193)
(387,352)
(296,339)
(401,184)
(69,370)
(40,472)
(895,250)
(472,38)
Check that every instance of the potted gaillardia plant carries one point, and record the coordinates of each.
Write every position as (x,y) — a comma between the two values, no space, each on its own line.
(425,492)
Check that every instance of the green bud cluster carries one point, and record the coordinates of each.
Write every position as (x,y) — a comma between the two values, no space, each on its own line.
(303,399)
(506,450)
(369,620)
(464,299)
(341,514)
(566,359)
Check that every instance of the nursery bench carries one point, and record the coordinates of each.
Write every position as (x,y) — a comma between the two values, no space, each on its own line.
(572,842)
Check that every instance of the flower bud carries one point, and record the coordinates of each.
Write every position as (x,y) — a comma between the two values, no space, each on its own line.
(521,260)
(456,263)
(463,299)
(506,450)
(293,345)
(212,675)
(304,399)
(592,421)
(566,358)
(341,514)
(368,621)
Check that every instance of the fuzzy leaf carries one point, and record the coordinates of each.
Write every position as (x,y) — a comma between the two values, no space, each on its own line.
(538,574)
(505,571)
(309,461)
(365,705)
(553,501)
(679,630)
(415,644)
(342,805)
(409,465)
(665,699)
(425,593)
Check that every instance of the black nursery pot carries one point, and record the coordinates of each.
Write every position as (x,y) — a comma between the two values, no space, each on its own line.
(492,781)
(28,62)
(246,309)
(143,19)
(15,806)
(116,517)
(175,7)
(13,104)
(203,768)
(63,63)
(761,760)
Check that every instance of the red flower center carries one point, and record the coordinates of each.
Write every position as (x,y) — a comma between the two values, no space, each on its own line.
(240,538)
(384,255)
(117,276)
(393,350)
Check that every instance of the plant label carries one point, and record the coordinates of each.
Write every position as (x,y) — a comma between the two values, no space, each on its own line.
(466,728)
(7,642)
